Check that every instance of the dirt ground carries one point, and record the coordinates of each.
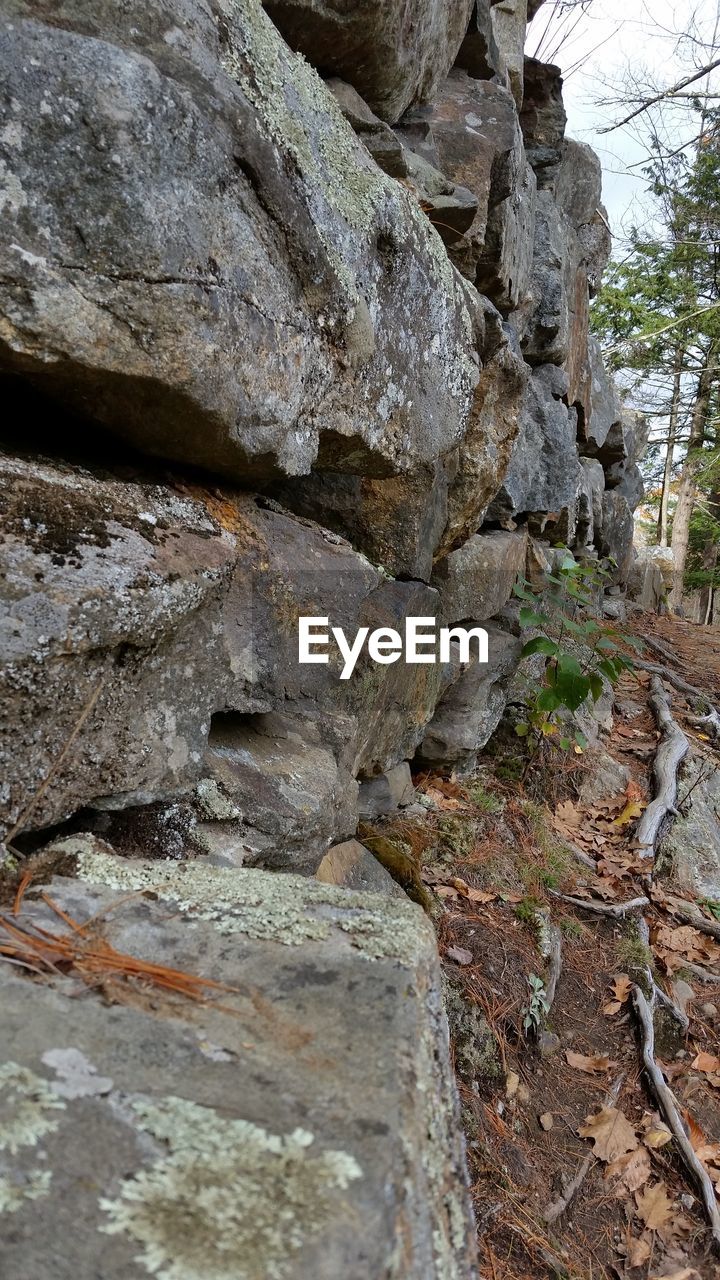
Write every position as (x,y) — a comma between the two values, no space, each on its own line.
(496,850)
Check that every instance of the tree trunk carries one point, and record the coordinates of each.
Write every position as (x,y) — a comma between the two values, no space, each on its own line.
(687,488)
(709,562)
(672,433)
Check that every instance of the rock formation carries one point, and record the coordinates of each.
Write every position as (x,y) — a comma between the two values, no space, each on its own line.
(293,321)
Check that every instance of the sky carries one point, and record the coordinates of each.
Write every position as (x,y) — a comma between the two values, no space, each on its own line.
(612,39)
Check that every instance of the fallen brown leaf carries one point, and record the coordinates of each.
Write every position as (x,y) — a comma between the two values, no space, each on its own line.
(611,1132)
(595,1065)
(631,1171)
(654,1206)
(638,1251)
(480,895)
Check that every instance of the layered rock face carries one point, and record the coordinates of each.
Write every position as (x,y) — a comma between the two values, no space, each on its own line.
(368,312)
(293,323)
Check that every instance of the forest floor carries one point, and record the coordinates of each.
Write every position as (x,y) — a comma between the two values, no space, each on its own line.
(548,1095)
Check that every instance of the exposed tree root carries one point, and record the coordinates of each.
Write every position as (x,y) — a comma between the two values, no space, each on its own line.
(694,918)
(672,748)
(616,910)
(670,1110)
(552,953)
(681,685)
(558,1207)
(657,993)
(703,974)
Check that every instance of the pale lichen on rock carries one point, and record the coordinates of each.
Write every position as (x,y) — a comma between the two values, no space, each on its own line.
(229,1201)
(27,1104)
(280,908)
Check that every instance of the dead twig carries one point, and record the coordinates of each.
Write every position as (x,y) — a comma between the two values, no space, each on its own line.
(558,1207)
(672,748)
(669,1107)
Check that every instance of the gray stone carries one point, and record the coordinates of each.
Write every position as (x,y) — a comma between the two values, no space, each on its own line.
(404,522)
(543,118)
(605,778)
(616,537)
(386,792)
(691,847)
(683,994)
(471,133)
(469,712)
(645,586)
(549,1044)
(161,296)
(133,612)
(494,427)
(299,1134)
(451,208)
(614,609)
(604,404)
(109,605)
(351,866)
(509,24)
(397,522)
(394,53)
(286,786)
(475,581)
(590,497)
(546,336)
(578,187)
(631,486)
(544,474)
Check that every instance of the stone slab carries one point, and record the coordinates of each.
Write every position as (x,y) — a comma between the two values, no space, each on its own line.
(304,1128)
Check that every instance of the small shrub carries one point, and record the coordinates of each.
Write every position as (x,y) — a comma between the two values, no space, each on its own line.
(562,616)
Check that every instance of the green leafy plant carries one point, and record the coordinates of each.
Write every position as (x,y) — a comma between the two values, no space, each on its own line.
(578,648)
(537,1007)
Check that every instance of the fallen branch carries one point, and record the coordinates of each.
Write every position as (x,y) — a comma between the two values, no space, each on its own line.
(670,1110)
(554,1210)
(672,748)
(615,910)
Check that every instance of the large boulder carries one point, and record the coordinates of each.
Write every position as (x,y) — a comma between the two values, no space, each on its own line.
(162,296)
(469,712)
(490,442)
(590,504)
(404,523)
(544,476)
(471,133)
(110,656)
(543,119)
(604,406)
(393,52)
(477,579)
(132,613)
(297,1122)
(616,537)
